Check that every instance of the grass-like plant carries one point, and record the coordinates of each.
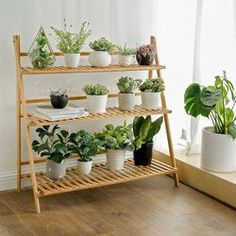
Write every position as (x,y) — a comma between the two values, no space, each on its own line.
(95,89)
(101,44)
(152,85)
(124,51)
(128,85)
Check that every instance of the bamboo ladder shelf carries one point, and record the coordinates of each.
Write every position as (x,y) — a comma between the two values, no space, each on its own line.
(100,175)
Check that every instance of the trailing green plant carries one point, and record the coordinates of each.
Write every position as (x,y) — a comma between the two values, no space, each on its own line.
(71,43)
(144,130)
(119,137)
(216,102)
(53,143)
(102,44)
(85,145)
(152,85)
(124,51)
(128,85)
(95,89)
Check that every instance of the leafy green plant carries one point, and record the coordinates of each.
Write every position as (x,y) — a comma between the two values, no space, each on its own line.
(71,43)
(53,143)
(95,89)
(216,102)
(119,137)
(85,145)
(101,44)
(128,85)
(152,85)
(144,129)
(124,51)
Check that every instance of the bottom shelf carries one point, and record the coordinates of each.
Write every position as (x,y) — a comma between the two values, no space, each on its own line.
(100,176)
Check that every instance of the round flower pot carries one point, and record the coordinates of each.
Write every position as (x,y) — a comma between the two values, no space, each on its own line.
(55,170)
(143,156)
(72,60)
(115,158)
(99,59)
(218,151)
(125,60)
(114,59)
(145,59)
(96,103)
(59,101)
(85,167)
(150,100)
(126,101)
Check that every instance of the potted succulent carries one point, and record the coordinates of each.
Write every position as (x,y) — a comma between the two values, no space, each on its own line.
(150,93)
(40,52)
(145,54)
(97,95)
(59,98)
(126,56)
(54,146)
(144,130)
(100,57)
(71,43)
(216,102)
(126,97)
(86,146)
(116,140)
(114,52)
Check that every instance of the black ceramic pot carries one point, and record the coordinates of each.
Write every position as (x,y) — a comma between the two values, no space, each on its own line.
(145,59)
(143,156)
(59,101)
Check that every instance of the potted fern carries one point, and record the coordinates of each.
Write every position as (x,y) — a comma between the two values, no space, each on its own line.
(126,56)
(97,95)
(126,96)
(71,43)
(216,102)
(53,145)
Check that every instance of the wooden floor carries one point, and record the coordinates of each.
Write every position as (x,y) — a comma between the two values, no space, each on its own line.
(147,207)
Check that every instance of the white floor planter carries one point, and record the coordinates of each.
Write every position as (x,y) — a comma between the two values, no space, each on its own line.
(99,59)
(96,103)
(150,100)
(115,158)
(126,101)
(218,151)
(85,167)
(72,60)
(126,60)
(55,170)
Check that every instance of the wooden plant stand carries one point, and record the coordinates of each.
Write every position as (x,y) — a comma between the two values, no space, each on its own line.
(100,175)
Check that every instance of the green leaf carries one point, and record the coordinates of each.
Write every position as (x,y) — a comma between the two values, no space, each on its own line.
(145,127)
(232,130)
(137,125)
(209,97)
(154,128)
(64,133)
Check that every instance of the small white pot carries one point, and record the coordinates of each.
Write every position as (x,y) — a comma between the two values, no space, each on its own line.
(99,58)
(150,100)
(114,59)
(126,101)
(218,151)
(115,158)
(97,103)
(72,60)
(126,60)
(85,167)
(55,170)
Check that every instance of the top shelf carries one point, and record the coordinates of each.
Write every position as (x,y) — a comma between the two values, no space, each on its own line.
(88,69)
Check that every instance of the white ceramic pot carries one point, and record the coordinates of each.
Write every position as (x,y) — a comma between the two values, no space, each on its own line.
(55,170)
(97,103)
(126,60)
(218,151)
(115,158)
(85,167)
(150,100)
(126,101)
(114,59)
(72,60)
(99,58)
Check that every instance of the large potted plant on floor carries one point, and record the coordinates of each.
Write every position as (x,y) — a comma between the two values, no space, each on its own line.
(216,102)
(97,95)
(150,93)
(86,146)
(116,140)
(144,130)
(126,96)
(71,43)
(126,56)
(54,146)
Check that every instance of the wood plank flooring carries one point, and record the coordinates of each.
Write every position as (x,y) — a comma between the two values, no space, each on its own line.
(146,207)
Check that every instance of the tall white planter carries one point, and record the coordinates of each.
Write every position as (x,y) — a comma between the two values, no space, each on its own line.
(150,100)
(99,58)
(126,101)
(115,158)
(97,103)
(126,60)
(85,167)
(55,170)
(72,60)
(218,151)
